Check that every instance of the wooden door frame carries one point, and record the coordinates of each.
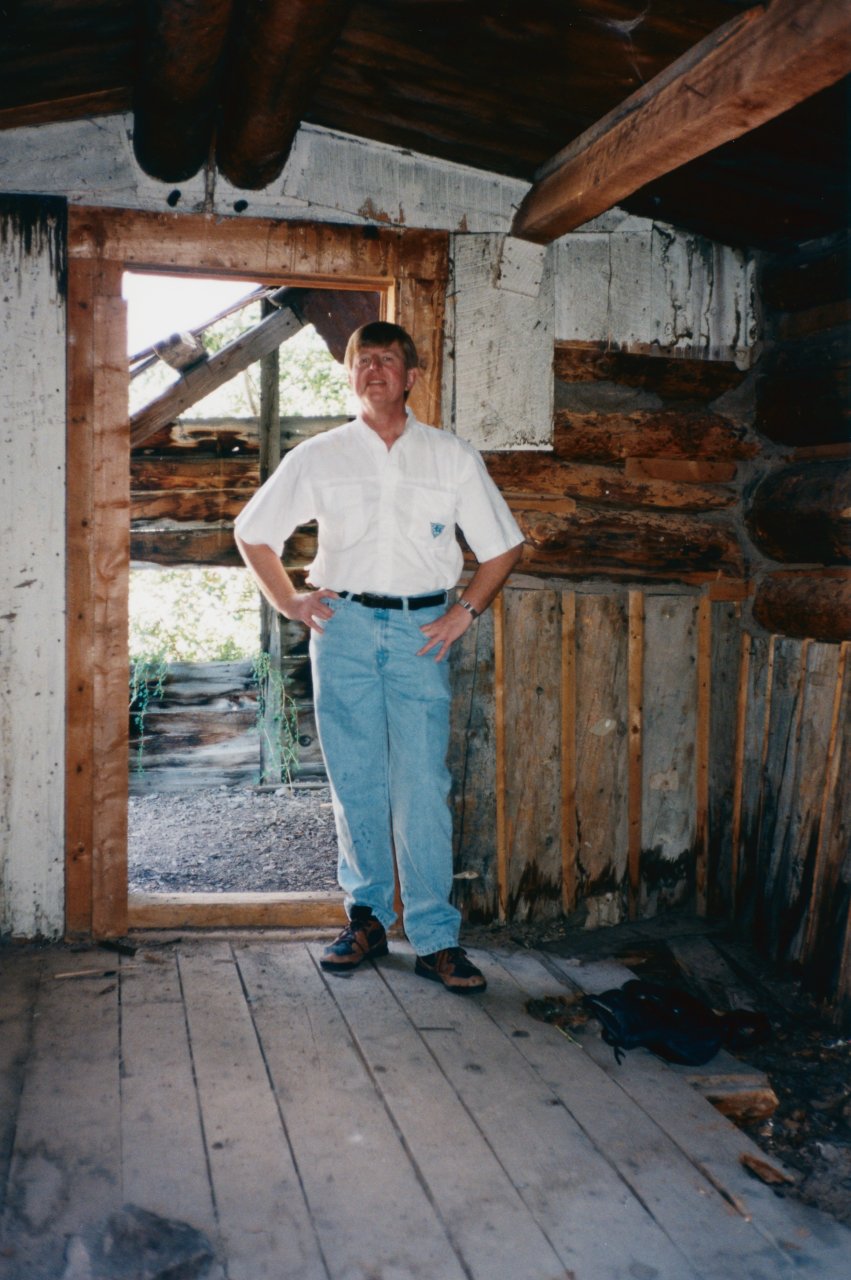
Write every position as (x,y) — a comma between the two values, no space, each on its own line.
(409,268)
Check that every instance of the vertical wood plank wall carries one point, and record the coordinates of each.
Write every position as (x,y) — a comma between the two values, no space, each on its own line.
(616,730)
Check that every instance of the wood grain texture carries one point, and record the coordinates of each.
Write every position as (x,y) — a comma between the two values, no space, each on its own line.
(235,911)
(309,253)
(66,1161)
(671,377)
(805,603)
(739,765)
(703,730)
(798,854)
(779,792)
(276,54)
(111,558)
(599,436)
(636,545)
(176,86)
(755,66)
(828,916)
(569,826)
(79,708)
(635,744)
(473,766)
(601,747)
(540,474)
(758,697)
(723,761)
(669,732)
(801,514)
(532,749)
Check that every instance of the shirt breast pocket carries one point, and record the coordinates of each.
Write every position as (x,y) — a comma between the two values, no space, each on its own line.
(343,516)
(429,515)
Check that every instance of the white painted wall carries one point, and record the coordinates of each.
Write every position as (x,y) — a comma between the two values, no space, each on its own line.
(498,357)
(635,283)
(32,579)
(623,280)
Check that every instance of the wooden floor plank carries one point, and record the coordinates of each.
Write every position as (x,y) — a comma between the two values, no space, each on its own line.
(568,1187)
(491,1227)
(264,1222)
(365,1197)
(19,979)
(65,1170)
(164,1162)
(715,1145)
(684,1202)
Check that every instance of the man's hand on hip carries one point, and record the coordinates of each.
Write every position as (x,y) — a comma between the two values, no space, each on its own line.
(309,607)
(445,630)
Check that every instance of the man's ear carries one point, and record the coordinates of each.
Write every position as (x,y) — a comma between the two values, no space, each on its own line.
(411,378)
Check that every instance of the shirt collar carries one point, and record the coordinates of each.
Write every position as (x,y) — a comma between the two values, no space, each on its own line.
(360,426)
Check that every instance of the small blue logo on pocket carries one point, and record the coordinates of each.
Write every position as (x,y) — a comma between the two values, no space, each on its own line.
(437,530)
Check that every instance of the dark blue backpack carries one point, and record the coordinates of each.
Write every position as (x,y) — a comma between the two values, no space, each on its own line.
(671,1023)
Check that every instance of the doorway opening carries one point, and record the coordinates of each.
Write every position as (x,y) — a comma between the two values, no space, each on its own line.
(227,788)
(408,270)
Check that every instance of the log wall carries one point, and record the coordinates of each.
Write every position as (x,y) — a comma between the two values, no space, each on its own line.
(203,730)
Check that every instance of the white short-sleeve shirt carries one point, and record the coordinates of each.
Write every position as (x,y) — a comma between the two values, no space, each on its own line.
(386,518)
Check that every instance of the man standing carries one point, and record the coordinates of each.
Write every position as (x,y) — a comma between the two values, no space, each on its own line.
(387,492)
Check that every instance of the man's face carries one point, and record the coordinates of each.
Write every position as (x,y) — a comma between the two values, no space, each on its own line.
(379,378)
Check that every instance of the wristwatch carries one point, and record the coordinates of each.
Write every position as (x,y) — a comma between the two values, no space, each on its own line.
(465,604)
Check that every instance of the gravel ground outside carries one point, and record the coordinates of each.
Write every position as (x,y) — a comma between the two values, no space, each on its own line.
(233,839)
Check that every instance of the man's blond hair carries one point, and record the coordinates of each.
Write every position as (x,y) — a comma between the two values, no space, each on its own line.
(380,333)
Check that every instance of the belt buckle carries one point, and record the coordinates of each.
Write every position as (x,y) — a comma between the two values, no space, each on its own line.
(373,601)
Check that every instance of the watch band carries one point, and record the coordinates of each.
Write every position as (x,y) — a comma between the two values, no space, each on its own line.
(465,604)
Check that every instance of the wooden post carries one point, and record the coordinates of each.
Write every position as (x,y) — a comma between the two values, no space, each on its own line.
(97,588)
(499,700)
(635,682)
(569,850)
(702,747)
(271,756)
(739,769)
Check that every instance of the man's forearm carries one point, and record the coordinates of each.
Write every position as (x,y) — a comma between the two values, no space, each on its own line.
(490,577)
(269,573)
(309,607)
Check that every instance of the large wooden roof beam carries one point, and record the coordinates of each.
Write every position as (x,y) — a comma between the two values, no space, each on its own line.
(754,67)
(176,89)
(279,48)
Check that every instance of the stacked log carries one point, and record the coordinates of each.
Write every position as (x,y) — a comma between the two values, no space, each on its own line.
(641,483)
(191,480)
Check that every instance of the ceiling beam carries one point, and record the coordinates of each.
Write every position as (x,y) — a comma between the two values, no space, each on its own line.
(203,378)
(278,51)
(757,65)
(176,88)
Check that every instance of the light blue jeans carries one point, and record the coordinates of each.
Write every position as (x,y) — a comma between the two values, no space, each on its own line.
(383,720)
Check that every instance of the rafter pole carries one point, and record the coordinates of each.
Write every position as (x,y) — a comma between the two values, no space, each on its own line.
(278,51)
(754,67)
(220,368)
(177,85)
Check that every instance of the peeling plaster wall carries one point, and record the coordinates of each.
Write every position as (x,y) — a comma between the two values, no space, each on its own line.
(636,284)
(329,177)
(32,567)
